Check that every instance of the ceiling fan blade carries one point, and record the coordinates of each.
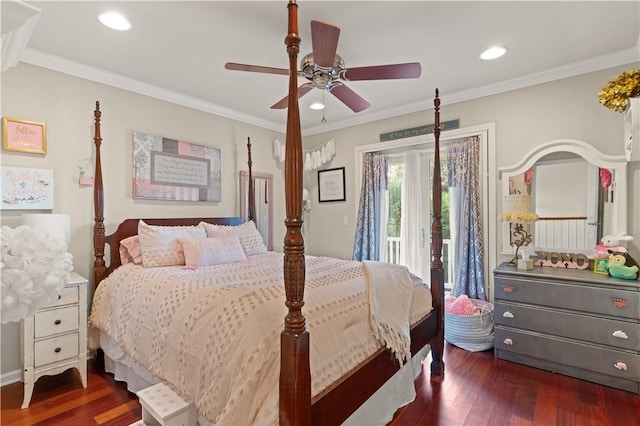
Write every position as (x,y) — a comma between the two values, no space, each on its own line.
(383,72)
(302,90)
(255,68)
(324,39)
(349,98)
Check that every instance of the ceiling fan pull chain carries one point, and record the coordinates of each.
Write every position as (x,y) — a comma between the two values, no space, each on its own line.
(324,120)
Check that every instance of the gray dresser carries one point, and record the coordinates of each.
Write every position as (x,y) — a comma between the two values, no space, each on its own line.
(573,322)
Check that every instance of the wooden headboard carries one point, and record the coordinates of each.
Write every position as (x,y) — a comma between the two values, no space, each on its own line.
(129,227)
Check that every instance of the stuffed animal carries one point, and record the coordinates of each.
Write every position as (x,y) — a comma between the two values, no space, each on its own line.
(611,242)
(622,265)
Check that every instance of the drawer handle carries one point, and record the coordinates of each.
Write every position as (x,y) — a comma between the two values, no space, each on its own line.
(509,288)
(620,334)
(620,365)
(508,342)
(508,314)
(57,350)
(619,303)
(57,322)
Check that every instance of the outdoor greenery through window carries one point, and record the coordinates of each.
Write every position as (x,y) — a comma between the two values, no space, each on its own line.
(395,175)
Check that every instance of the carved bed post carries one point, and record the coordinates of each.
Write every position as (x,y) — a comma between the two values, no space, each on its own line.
(252,196)
(295,376)
(99,269)
(437,275)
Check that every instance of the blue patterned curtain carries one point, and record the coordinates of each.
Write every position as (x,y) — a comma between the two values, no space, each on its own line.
(374,184)
(465,218)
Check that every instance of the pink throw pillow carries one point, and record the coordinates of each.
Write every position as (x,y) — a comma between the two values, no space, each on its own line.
(130,251)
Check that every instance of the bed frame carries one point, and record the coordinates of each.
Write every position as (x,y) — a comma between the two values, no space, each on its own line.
(341,399)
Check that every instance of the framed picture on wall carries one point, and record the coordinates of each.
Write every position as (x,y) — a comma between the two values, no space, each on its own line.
(24,136)
(331,185)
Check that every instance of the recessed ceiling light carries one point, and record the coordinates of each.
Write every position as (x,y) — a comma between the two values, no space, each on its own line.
(493,53)
(316,105)
(114,21)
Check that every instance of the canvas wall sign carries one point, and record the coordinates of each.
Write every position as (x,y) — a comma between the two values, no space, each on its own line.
(174,170)
(27,189)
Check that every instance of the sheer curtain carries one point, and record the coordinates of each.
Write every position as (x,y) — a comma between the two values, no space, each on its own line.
(465,218)
(372,222)
(414,217)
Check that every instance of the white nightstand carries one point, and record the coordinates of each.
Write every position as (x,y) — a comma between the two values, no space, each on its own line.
(55,338)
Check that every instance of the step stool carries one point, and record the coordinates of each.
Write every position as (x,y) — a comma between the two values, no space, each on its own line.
(163,405)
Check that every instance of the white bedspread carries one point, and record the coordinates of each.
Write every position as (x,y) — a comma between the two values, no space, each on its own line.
(214,332)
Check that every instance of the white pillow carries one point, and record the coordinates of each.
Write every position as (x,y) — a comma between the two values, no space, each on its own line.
(250,238)
(159,244)
(212,251)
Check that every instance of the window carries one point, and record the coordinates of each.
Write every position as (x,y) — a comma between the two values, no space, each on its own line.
(486,133)
(395,177)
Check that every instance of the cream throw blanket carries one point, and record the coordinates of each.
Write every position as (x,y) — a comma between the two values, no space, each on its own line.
(390,296)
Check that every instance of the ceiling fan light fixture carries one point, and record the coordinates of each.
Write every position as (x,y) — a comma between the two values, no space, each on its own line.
(317,106)
(493,52)
(114,20)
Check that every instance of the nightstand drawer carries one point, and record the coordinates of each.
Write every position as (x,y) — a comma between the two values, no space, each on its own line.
(67,296)
(56,349)
(617,333)
(572,353)
(600,300)
(56,321)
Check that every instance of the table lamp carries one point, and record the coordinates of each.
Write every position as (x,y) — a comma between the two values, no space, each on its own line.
(517,211)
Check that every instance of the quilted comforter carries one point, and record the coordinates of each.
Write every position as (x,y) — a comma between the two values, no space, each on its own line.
(214,332)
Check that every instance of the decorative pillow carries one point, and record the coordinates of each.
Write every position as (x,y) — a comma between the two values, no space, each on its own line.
(130,251)
(159,244)
(212,251)
(250,239)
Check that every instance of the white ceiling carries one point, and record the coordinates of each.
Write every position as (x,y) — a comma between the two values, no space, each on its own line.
(176,50)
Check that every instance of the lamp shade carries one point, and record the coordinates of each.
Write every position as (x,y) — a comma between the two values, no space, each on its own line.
(57,226)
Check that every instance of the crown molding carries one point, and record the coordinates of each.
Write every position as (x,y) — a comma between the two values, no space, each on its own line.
(618,58)
(21,22)
(45,60)
(65,66)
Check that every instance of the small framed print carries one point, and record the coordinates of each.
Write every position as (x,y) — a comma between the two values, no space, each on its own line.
(601,265)
(331,185)
(24,136)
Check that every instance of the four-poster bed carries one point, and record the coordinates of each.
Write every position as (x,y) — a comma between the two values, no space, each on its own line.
(298,405)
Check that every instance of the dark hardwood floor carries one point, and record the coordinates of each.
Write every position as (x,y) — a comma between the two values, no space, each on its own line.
(477,390)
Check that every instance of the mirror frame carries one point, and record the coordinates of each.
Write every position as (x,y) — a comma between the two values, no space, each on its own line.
(244,194)
(617,164)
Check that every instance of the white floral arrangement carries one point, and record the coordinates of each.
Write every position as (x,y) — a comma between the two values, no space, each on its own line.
(33,273)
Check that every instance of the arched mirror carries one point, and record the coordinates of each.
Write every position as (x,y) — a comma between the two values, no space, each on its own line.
(578,193)
(263,190)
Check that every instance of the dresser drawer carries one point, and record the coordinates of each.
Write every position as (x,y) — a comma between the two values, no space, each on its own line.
(56,349)
(601,300)
(618,333)
(67,296)
(56,321)
(594,358)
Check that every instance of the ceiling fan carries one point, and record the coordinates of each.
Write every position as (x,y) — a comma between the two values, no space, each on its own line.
(326,70)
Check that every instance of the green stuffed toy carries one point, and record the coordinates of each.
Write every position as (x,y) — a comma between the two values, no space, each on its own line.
(622,265)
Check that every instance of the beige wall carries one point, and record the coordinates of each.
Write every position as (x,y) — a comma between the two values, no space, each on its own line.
(66,105)
(523,118)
